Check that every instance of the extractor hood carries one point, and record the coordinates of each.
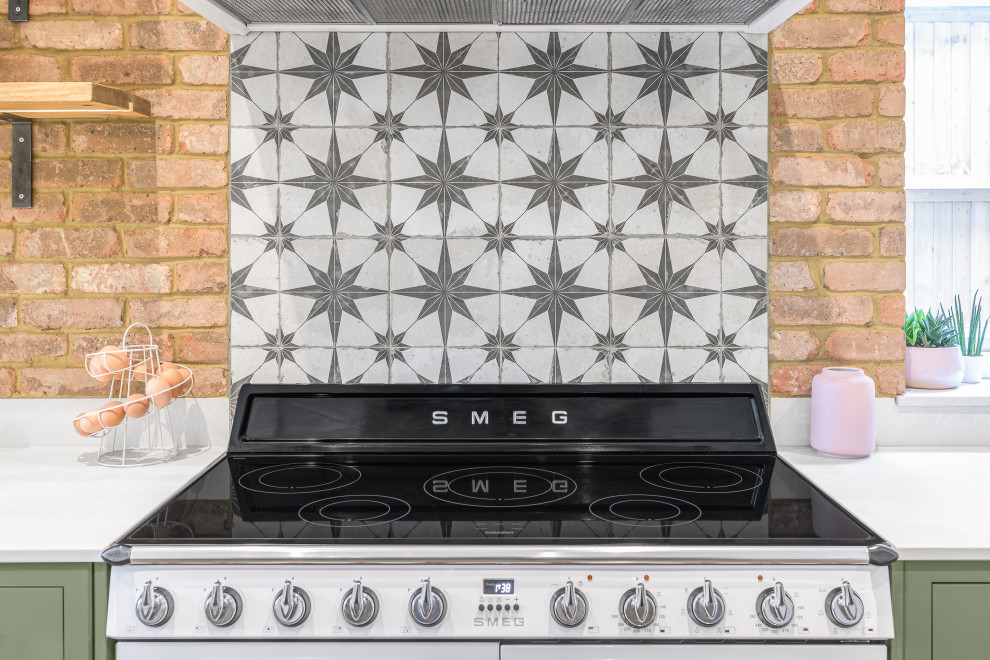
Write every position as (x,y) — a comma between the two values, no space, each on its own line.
(242,16)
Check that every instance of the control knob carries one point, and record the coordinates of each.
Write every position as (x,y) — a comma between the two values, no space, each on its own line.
(428,606)
(569,606)
(844,607)
(360,605)
(775,607)
(291,606)
(154,606)
(223,606)
(706,605)
(637,607)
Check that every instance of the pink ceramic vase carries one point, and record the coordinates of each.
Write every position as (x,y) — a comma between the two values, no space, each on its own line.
(843,412)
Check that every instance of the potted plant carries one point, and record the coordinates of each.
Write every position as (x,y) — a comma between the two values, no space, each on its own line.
(934,360)
(971,344)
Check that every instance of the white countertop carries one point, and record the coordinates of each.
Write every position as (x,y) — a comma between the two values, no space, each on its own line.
(930,503)
(58,505)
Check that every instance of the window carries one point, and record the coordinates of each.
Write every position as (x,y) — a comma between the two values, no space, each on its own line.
(948,152)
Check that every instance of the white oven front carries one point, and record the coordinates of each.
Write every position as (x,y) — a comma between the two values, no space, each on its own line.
(490,651)
(307,650)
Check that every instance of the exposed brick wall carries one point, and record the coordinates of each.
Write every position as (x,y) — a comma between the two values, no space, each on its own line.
(130,216)
(837,204)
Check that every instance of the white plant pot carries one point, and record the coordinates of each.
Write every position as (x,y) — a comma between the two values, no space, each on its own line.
(933,368)
(973,367)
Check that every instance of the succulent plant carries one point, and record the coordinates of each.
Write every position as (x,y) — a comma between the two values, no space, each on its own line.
(926,330)
(971,344)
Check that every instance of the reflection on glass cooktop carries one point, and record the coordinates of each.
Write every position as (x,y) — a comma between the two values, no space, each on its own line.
(570,499)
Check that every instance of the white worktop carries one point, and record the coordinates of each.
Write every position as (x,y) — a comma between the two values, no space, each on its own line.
(58,505)
(930,503)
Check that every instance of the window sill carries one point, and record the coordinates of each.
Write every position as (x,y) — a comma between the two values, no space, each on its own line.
(974,395)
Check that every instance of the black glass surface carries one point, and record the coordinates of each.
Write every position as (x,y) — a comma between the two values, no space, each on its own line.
(501,500)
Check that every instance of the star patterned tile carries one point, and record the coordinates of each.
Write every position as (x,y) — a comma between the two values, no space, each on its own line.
(514,207)
(444,181)
(332,79)
(445,79)
(667,79)
(253,78)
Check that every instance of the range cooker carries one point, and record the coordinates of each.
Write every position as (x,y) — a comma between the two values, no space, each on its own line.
(500,523)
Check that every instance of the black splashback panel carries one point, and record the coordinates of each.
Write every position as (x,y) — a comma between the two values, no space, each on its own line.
(585,418)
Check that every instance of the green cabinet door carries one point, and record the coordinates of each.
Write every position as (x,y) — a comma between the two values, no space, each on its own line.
(53,612)
(959,621)
(940,610)
(31,623)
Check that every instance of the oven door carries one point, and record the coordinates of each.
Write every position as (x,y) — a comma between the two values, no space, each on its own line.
(292,650)
(693,652)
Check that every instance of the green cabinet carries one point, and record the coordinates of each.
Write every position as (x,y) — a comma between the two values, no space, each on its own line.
(54,611)
(940,610)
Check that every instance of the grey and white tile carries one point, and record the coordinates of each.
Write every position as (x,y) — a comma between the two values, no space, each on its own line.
(745,76)
(554,181)
(253,78)
(444,293)
(553,79)
(443,79)
(665,79)
(444,182)
(332,79)
(333,182)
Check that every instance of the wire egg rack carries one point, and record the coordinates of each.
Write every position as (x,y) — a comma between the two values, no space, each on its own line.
(134,428)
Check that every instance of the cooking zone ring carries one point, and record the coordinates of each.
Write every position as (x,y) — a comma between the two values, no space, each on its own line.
(384,510)
(299,478)
(664,510)
(718,478)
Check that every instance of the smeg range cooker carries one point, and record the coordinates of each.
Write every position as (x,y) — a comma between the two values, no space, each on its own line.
(500,523)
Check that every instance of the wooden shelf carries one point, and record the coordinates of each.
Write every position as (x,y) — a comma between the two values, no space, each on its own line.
(68,100)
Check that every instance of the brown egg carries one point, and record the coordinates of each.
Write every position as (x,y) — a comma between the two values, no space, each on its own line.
(171,374)
(82,426)
(98,369)
(89,423)
(136,406)
(114,359)
(112,414)
(143,371)
(160,391)
(186,382)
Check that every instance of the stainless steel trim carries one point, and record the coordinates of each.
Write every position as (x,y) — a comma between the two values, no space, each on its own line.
(562,554)
(486,27)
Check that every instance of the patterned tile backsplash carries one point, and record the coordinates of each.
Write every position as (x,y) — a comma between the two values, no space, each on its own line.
(498,207)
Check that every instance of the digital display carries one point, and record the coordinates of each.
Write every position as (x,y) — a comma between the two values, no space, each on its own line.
(499,587)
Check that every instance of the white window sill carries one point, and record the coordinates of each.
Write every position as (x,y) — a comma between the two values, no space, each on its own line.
(975,395)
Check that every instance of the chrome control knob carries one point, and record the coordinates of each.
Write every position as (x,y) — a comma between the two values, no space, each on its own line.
(428,606)
(706,605)
(775,607)
(637,607)
(360,605)
(844,607)
(291,606)
(223,606)
(569,606)
(154,606)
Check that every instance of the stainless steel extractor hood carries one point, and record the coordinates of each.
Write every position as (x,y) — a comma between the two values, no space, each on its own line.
(242,16)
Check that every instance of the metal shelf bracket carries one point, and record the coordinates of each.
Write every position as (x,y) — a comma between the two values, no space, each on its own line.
(17,11)
(20,158)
